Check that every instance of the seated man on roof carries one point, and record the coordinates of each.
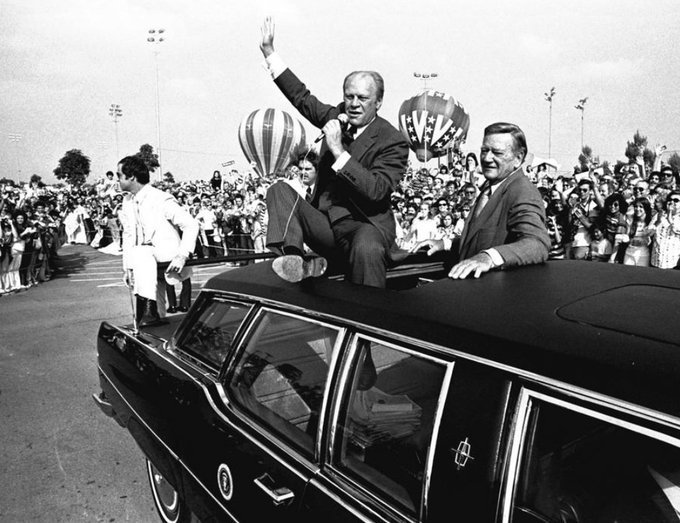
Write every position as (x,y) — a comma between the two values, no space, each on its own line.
(506,225)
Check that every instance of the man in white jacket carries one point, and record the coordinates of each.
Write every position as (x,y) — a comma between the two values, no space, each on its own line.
(151,219)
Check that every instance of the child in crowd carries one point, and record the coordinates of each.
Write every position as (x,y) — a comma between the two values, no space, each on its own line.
(600,248)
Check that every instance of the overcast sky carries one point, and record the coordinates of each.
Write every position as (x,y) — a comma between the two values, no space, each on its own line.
(64,62)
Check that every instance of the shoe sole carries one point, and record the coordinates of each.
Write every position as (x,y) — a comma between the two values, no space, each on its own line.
(294,268)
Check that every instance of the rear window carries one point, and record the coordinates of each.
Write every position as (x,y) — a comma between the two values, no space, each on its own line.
(211,336)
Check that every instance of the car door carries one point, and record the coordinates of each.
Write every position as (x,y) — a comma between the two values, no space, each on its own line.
(382,433)
(257,440)
(576,458)
(418,442)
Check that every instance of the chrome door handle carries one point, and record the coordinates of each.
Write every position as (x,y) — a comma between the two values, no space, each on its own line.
(280,495)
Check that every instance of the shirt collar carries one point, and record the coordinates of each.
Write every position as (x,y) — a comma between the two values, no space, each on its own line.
(141,194)
(359,130)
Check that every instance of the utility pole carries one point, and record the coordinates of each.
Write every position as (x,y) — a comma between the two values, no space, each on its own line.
(16,138)
(156,39)
(116,112)
(549,98)
(581,106)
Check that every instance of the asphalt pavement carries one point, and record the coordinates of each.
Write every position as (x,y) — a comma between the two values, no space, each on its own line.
(61,458)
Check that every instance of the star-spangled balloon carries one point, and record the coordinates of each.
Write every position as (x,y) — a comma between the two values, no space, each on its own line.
(433,122)
(267,136)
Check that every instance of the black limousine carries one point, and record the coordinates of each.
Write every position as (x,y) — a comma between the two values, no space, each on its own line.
(546,393)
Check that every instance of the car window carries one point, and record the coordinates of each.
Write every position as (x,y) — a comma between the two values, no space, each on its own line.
(280,376)
(386,420)
(576,467)
(211,335)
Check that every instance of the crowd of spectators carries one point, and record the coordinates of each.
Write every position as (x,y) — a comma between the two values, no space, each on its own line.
(629,216)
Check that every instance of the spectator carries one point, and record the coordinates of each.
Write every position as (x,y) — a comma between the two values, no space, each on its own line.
(666,235)
(583,214)
(447,229)
(216,181)
(600,247)
(638,237)
(10,257)
(558,226)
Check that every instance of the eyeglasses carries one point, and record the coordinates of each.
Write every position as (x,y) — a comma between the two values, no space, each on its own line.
(583,189)
(674,200)
(638,189)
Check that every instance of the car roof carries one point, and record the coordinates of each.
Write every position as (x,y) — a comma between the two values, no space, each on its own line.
(605,327)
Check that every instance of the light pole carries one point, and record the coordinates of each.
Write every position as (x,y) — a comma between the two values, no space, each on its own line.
(549,98)
(116,112)
(581,106)
(155,39)
(16,138)
(424,77)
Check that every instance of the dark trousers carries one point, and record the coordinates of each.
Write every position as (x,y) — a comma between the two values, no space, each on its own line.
(184,295)
(358,244)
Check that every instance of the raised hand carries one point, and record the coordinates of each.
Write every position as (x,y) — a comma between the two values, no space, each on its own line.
(267,43)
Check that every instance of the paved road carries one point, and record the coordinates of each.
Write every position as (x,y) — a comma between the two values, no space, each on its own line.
(61,459)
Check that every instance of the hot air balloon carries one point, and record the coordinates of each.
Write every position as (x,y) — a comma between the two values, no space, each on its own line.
(267,137)
(433,122)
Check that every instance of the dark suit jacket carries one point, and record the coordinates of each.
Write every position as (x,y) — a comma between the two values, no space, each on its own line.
(512,222)
(363,188)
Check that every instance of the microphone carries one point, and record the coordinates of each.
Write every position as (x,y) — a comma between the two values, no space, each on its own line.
(344,123)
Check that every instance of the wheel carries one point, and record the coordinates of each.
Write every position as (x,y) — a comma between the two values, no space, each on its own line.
(170,506)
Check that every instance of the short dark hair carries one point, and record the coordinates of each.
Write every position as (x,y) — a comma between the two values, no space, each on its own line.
(377,78)
(616,197)
(305,154)
(134,166)
(512,129)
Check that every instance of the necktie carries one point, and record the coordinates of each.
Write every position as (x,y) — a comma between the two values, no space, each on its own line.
(308,194)
(483,198)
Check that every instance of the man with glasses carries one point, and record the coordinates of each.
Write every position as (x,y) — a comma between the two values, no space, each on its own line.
(666,245)
(583,214)
(668,177)
(641,190)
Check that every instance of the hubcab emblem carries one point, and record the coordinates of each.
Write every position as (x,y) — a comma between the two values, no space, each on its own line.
(225,482)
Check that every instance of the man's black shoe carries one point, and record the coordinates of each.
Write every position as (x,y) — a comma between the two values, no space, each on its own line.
(295,268)
(172,310)
(183,309)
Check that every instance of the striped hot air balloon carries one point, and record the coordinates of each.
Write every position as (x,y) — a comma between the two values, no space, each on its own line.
(433,122)
(267,137)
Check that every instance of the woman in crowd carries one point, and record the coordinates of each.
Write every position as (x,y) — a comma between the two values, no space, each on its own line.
(28,234)
(666,244)
(11,249)
(613,220)
(558,224)
(216,181)
(472,171)
(638,237)
(447,228)
(74,221)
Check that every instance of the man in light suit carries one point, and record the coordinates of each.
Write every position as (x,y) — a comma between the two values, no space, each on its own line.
(506,225)
(350,217)
(150,219)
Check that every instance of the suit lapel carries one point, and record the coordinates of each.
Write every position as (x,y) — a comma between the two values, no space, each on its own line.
(364,141)
(472,224)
